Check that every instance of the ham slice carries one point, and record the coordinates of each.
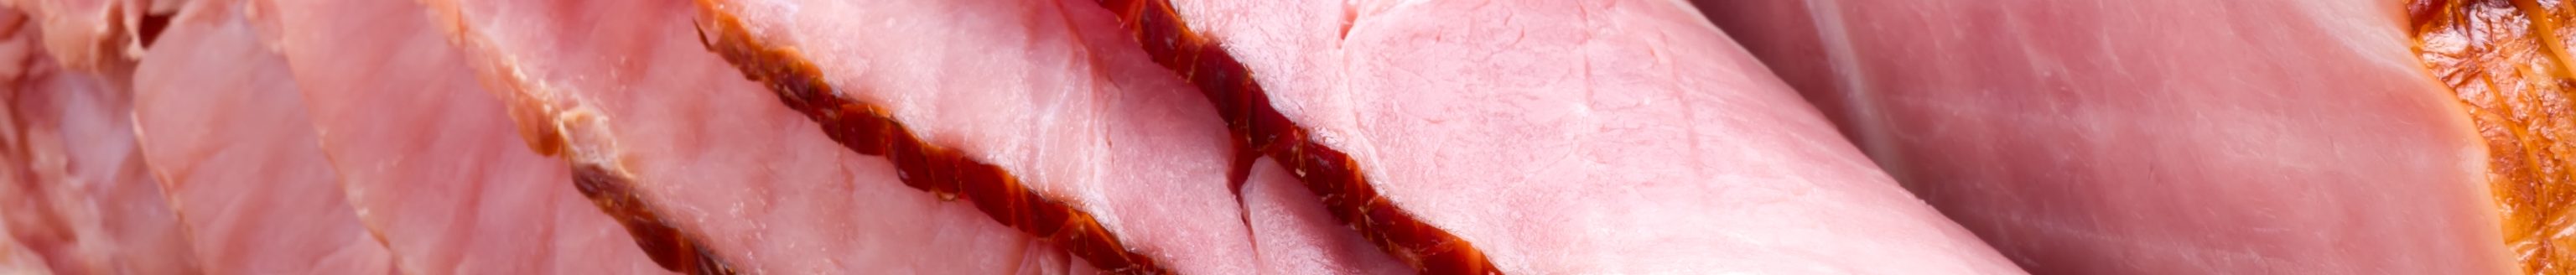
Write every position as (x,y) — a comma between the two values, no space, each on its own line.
(709,171)
(2154,137)
(226,131)
(74,192)
(1599,137)
(1050,92)
(430,159)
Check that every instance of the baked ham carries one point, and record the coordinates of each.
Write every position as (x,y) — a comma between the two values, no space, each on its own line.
(1282,137)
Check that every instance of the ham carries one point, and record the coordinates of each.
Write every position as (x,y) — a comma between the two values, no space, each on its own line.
(706,168)
(1049,92)
(430,159)
(75,194)
(226,131)
(1572,119)
(2155,137)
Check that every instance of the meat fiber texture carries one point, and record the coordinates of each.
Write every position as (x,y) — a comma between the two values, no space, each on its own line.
(1676,140)
(625,86)
(97,35)
(431,160)
(228,135)
(2153,137)
(1051,91)
(74,192)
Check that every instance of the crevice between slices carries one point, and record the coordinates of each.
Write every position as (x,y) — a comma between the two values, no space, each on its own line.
(2510,70)
(868,129)
(1260,130)
(549,123)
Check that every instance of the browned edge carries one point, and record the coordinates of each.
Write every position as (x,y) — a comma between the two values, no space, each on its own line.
(669,247)
(2504,61)
(1259,129)
(868,129)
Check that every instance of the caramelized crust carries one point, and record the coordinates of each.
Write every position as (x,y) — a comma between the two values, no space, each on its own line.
(947,173)
(2507,61)
(667,246)
(1259,129)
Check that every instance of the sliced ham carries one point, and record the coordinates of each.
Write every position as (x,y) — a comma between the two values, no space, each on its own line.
(2154,137)
(708,168)
(1051,92)
(430,160)
(74,192)
(1598,137)
(226,131)
(97,35)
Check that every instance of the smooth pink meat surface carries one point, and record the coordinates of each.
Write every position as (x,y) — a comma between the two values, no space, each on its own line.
(2153,137)
(225,130)
(1586,137)
(431,161)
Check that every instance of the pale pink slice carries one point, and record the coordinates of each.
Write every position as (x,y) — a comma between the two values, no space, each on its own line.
(1586,137)
(225,130)
(431,160)
(2154,137)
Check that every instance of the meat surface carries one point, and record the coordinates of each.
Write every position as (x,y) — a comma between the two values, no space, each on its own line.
(1524,136)
(1570,119)
(226,131)
(74,192)
(682,145)
(2153,137)
(430,159)
(1050,91)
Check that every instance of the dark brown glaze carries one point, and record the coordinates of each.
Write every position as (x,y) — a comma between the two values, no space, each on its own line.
(947,173)
(2509,67)
(1259,127)
(669,247)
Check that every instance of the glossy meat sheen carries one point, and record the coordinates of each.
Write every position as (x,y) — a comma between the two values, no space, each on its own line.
(626,86)
(1052,91)
(1560,115)
(226,131)
(2154,137)
(74,192)
(429,157)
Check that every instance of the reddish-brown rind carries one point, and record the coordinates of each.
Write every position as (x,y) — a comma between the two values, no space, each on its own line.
(1259,129)
(2507,62)
(669,247)
(868,129)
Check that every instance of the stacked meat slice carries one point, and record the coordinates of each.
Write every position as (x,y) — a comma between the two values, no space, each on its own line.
(1216,137)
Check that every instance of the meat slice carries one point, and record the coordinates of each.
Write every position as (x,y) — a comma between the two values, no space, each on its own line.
(74,193)
(708,170)
(226,131)
(1050,92)
(429,158)
(97,35)
(1598,137)
(2155,137)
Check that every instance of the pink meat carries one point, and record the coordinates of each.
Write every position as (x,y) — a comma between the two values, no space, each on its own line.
(1052,91)
(2153,137)
(626,86)
(227,133)
(1586,137)
(73,188)
(428,157)
(96,35)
